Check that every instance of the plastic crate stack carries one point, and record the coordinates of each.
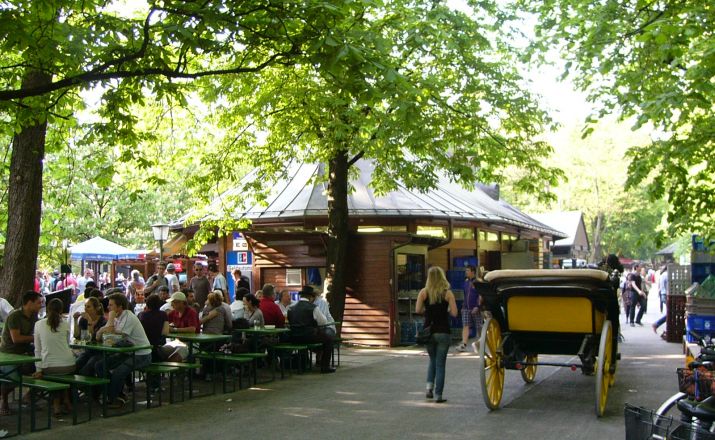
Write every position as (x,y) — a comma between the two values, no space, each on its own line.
(700,308)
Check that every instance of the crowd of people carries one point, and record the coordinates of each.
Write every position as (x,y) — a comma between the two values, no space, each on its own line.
(144,313)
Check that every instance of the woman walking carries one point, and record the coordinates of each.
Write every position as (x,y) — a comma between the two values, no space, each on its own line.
(437,302)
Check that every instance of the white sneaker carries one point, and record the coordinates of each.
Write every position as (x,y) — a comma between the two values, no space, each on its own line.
(462,347)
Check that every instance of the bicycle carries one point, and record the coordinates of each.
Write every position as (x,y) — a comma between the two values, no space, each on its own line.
(695,403)
(695,400)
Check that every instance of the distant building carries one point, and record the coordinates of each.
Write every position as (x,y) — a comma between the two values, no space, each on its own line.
(575,248)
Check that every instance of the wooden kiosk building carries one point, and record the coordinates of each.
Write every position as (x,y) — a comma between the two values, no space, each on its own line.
(395,238)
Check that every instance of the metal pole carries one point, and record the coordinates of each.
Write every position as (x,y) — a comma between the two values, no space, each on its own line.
(161,250)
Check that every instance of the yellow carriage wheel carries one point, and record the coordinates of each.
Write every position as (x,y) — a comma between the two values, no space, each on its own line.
(490,363)
(604,377)
(528,373)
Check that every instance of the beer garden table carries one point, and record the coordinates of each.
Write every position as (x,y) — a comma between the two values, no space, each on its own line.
(110,349)
(15,360)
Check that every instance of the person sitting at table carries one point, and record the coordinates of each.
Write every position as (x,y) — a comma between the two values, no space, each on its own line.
(165,297)
(306,320)
(182,318)
(251,312)
(216,318)
(52,347)
(284,302)
(78,306)
(156,327)
(272,314)
(324,307)
(237,304)
(191,299)
(119,366)
(17,338)
(139,303)
(89,321)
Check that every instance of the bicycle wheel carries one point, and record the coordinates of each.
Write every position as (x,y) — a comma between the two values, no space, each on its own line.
(666,414)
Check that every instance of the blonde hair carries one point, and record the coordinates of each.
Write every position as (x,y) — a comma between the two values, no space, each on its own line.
(437,285)
(215,298)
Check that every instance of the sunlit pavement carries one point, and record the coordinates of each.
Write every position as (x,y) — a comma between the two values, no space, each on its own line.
(379,394)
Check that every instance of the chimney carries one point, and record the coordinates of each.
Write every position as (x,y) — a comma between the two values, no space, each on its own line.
(491,190)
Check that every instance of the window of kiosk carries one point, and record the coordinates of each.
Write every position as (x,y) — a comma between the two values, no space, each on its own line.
(410,272)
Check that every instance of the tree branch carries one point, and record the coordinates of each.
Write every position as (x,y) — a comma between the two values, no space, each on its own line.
(93,76)
(355,158)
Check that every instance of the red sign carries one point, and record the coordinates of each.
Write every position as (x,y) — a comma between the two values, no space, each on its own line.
(178,266)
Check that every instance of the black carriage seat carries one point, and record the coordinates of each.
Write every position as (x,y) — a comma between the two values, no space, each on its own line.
(707,351)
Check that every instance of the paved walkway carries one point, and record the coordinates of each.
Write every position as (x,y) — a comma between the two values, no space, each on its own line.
(379,394)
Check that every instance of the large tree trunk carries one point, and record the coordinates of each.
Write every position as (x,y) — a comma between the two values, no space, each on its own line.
(24,202)
(338,232)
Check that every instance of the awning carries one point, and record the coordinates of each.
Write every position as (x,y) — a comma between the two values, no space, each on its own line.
(99,249)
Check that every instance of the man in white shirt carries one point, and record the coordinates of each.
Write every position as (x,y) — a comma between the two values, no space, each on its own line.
(82,281)
(306,327)
(219,281)
(284,302)
(237,305)
(5,309)
(123,322)
(172,278)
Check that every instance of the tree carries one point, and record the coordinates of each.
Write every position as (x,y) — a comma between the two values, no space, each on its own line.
(418,88)
(53,50)
(651,60)
(617,220)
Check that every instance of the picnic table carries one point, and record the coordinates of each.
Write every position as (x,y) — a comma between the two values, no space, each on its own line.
(16,360)
(200,338)
(110,349)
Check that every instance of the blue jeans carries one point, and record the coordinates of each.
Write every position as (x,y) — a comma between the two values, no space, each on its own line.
(437,348)
(120,367)
(660,321)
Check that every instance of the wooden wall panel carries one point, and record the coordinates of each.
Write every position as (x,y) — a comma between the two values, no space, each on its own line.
(438,257)
(368,308)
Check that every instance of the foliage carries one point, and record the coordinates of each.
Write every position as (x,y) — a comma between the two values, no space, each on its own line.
(135,53)
(418,88)
(596,172)
(652,60)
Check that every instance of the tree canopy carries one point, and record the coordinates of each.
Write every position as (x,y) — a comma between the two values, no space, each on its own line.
(418,87)
(652,60)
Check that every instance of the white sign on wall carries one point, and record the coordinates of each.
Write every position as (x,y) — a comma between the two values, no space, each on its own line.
(239,242)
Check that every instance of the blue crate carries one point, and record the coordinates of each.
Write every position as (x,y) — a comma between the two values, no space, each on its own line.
(690,338)
(407,332)
(700,271)
(456,279)
(699,244)
(463,262)
(700,323)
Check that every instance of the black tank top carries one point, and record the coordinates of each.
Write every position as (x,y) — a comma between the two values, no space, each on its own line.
(437,316)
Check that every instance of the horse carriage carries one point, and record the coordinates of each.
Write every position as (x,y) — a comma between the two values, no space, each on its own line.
(548,312)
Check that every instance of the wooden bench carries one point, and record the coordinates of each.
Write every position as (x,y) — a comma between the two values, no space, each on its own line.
(289,349)
(46,387)
(77,381)
(337,342)
(187,369)
(153,370)
(226,360)
(255,357)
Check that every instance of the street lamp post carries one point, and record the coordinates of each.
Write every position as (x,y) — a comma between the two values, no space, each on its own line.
(161,233)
